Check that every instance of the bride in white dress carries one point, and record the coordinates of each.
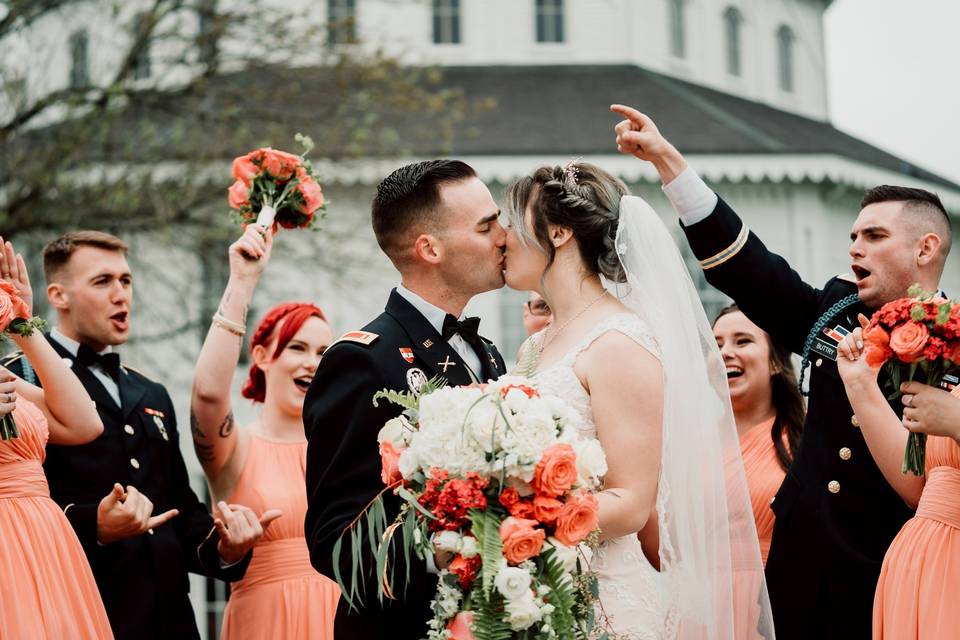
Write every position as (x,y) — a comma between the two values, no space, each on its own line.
(631,349)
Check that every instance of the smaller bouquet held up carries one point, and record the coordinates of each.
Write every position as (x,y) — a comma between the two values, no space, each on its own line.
(917,334)
(276,186)
(14,318)
(496,478)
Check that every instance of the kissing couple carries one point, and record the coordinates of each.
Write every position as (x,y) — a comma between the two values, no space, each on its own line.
(629,348)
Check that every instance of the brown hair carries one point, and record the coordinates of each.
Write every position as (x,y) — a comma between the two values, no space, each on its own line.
(919,203)
(411,196)
(787,401)
(581,197)
(58,252)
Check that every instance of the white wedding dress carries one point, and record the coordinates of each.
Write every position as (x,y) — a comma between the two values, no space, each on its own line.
(631,598)
(710,585)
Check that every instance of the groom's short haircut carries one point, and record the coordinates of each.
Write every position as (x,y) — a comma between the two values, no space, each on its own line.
(408,203)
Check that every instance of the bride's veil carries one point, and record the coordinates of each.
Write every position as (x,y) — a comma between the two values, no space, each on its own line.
(709,552)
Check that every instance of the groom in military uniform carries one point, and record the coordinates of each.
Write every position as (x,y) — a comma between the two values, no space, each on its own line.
(437,222)
(836,514)
(127,494)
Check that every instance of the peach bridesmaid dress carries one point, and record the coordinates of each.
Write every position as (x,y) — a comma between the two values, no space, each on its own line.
(281,595)
(764,477)
(917,594)
(46,587)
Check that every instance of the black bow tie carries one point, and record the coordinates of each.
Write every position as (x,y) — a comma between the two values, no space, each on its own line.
(467,328)
(109,362)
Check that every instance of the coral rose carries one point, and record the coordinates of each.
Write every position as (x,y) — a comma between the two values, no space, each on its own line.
(577,519)
(556,471)
(546,509)
(238,195)
(459,627)
(312,196)
(244,169)
(390,463)
(876,356)
(521,539)
(280,164)
(909,340)
(11,306)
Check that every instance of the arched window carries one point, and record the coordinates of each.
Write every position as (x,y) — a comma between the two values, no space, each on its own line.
(732,21)
(785,40)
(678,31)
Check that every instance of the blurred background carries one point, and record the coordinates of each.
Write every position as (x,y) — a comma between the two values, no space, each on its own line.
(124,116)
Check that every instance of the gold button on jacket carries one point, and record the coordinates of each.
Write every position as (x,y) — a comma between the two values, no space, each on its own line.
(833,486)
(854,421)
(845,453)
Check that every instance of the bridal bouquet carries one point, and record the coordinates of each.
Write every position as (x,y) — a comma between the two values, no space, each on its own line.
(496,478)
(920,333)
(276,186)
(14,315)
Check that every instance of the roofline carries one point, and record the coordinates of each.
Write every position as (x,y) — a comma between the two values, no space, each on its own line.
(717,168)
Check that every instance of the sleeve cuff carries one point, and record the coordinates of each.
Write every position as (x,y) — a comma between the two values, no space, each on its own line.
(692,199)
(83,519)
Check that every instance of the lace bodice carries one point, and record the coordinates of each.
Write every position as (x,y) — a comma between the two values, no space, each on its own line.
(560,379)
(631,590)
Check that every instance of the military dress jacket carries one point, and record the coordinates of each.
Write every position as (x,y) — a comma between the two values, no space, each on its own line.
(835,513)
(143,580)
(398,350)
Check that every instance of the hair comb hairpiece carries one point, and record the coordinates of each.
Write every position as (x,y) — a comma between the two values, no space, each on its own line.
(571,172)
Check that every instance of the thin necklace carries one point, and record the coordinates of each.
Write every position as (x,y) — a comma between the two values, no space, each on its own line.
(547,340)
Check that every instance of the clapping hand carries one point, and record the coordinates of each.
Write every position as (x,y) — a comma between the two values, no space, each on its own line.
(250,254)
(14,270)
(127,513)
(929,410)
(240,529)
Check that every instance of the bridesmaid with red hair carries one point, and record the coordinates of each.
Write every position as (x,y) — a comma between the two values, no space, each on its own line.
(263,464)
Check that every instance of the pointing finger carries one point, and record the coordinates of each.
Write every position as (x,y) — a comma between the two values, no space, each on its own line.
(864,320)
(269,516)
(163,518)
(631,114)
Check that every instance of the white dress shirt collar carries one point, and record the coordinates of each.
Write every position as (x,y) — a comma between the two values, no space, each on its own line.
(428,310)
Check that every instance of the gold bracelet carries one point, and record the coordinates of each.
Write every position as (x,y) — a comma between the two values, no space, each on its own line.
(229,325)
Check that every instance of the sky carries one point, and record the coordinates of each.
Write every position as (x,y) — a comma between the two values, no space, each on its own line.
(893,72)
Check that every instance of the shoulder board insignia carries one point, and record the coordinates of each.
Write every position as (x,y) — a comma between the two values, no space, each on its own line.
(359,337)
(847,277)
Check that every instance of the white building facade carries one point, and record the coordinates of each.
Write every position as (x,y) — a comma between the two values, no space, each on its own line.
(737,84)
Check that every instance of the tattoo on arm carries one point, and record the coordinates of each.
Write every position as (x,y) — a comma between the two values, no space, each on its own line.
(195,429)
(612,493)
(204,452)
(226,427)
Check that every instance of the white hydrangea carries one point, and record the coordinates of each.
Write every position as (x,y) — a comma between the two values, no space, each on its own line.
(397,431)
(466,429)
(591,461)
